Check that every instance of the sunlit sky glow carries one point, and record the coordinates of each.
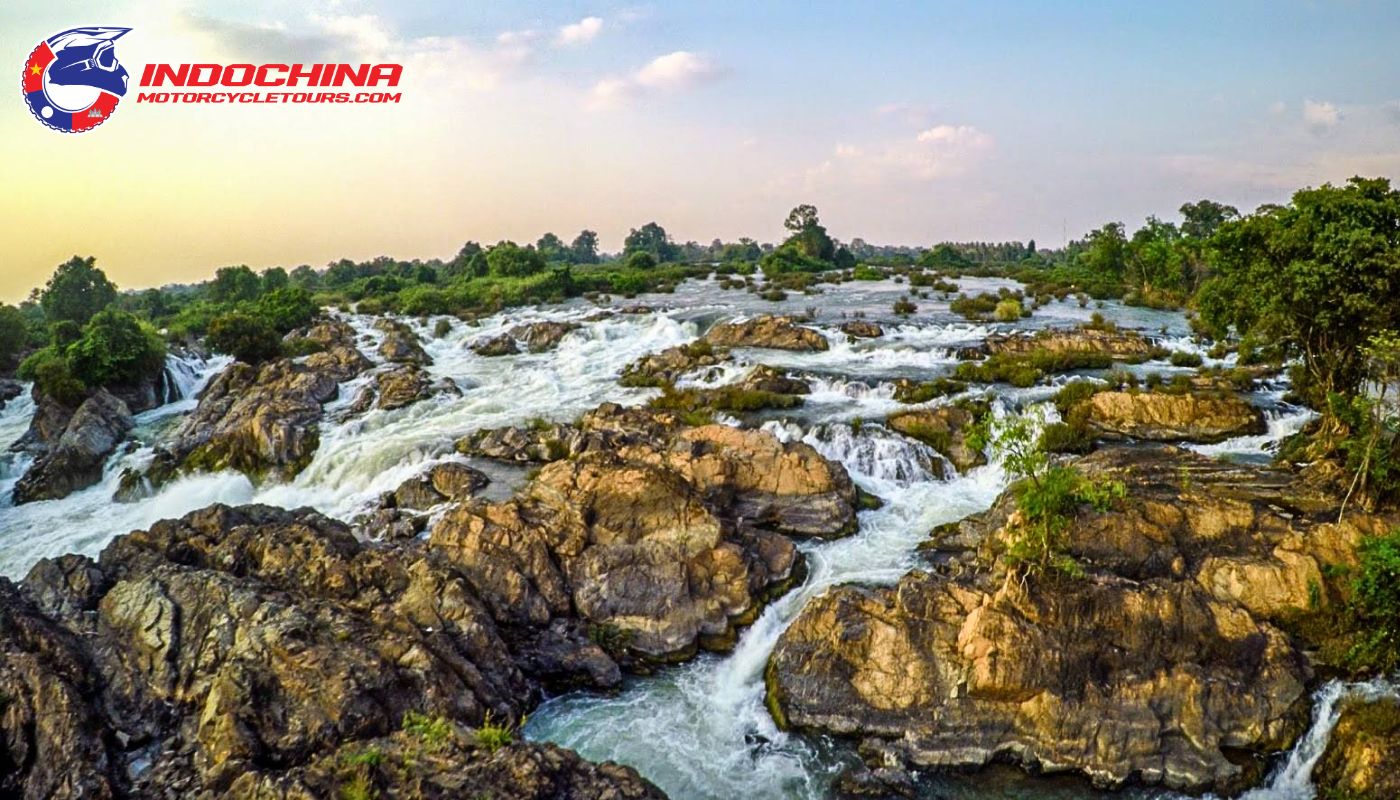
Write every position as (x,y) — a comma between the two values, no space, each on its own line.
(905,123)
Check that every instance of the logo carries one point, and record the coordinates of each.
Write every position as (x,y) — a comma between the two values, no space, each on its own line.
(73,81)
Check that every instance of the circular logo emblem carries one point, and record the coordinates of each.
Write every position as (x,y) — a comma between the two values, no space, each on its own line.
(73,81)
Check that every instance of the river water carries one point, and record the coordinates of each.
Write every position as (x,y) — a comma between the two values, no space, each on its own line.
(699,730)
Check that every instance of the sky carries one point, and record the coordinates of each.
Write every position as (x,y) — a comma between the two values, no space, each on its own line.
(904,123)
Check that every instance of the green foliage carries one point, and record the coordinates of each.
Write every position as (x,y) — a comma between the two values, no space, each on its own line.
(77,291)
(975,308)
(807,235)
(651,238)
(1008,310)
(235,285)
(1316,278)
(724,398)
(286,309)
(49,371)
(423,300)
(1182,358)
(1073,393)
(510,260)
(1375,605)
(1024,369)
(14,334)
(640,260)
(865,272)
(1046,493)
(274,278)
(433,732)
(923,392)
(492,735)
(904,307)
(245,337)
(116,349)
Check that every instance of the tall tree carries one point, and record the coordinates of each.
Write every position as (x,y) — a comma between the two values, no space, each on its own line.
(1317,278)
(552,248)
(807,234)
(1203,218)
(585,247)
(77,291)
(651,238)
(234,285)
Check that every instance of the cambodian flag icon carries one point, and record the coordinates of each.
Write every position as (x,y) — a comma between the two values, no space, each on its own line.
(73,80)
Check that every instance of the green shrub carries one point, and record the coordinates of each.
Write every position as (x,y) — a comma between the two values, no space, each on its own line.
(1074,393)
(49,371)
(433,731)
(286,309)
(424,300)
(865,272)
(1008,310)
(1375,605)
(975,308)
(116,349)
(923,392)
(492,736)
(904,307)
(245,337)
(1182,358)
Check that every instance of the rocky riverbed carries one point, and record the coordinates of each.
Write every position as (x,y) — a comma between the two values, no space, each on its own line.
(365,569)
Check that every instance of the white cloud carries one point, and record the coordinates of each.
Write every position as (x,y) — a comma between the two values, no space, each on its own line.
(939,152)
(581,32)
(1321,116)
(1278,107)
(673,72)
(679,70)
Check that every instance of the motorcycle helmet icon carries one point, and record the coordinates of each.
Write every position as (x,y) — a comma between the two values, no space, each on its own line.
(73,81)
(88,57)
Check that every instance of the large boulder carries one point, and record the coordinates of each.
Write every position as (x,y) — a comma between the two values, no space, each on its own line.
(1121,345)
(1164,417)
(541,336)
(75,461)
(264,421)
(1360,762)
(777,333)
(444,761)
(945,429)
(1181,658)
(667,366)
(400,345)
(246,652)
(630,547)
(862,329)
(400,386)
(9,390)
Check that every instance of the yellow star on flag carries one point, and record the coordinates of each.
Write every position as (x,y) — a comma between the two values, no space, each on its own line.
(34,69)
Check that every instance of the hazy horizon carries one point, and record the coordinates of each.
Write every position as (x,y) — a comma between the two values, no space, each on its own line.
(904,126)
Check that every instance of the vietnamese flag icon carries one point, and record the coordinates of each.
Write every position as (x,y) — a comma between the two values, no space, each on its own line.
(39,61)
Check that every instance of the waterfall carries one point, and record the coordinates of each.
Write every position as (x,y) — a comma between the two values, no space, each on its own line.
(1292,780)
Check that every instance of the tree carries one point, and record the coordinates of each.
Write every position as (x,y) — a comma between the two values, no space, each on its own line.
(14,335)
(116,350)
(1105,251)
(245,337)
(944,254)
(651,238)
(807,234)
(640,260)
(1200,220)
(585,247)
(286,309)
(552,248)
(305,277)
(466,263)
(234,285)
(508,259)
(1316,278)
(1155,259)
(274,278)
(77,291)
